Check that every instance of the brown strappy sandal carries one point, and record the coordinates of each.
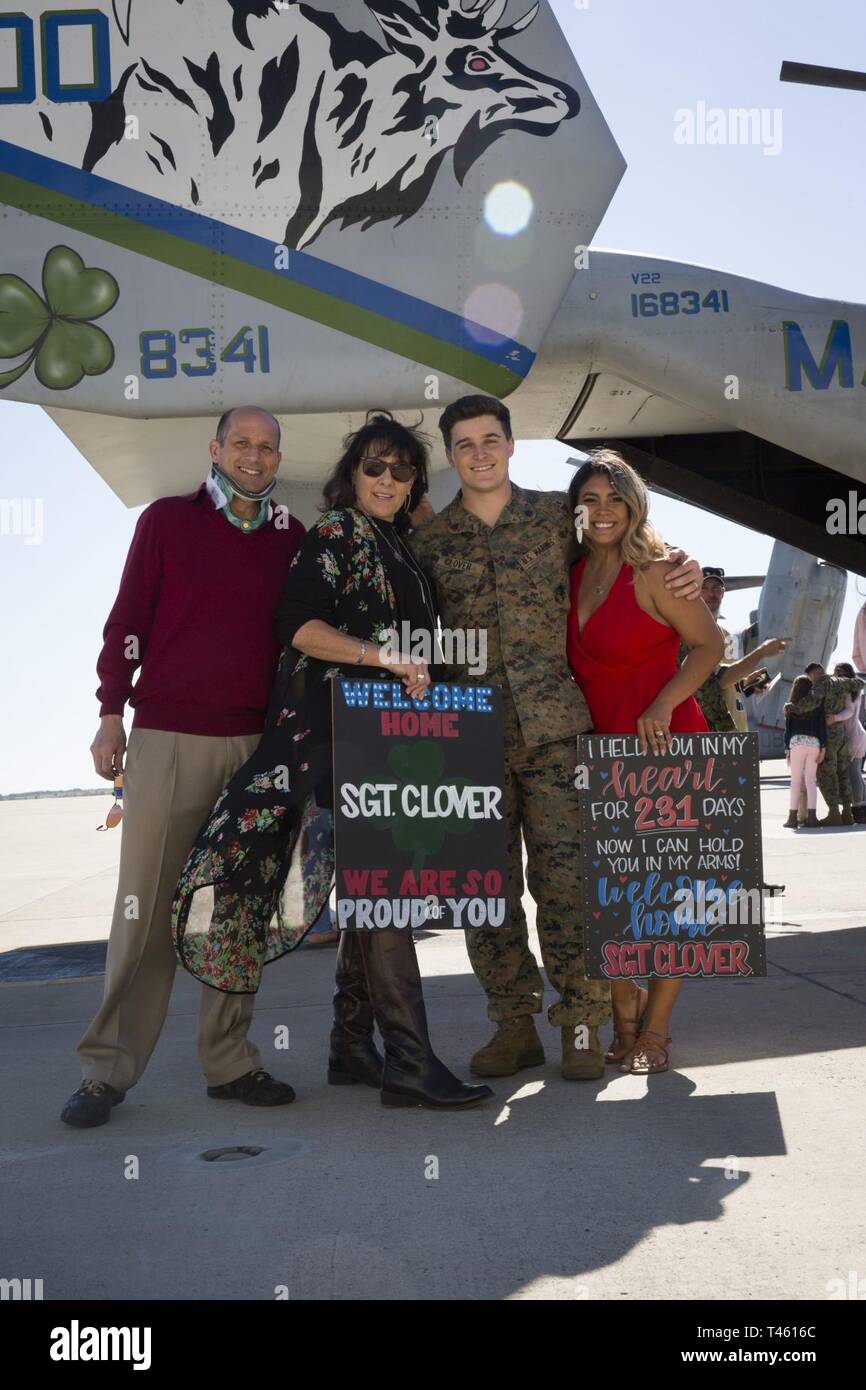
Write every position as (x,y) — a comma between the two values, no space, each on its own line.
(625,1035)
(655,1040)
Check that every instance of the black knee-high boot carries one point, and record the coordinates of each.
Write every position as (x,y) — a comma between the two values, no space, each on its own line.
(413,1074)
(354,1056)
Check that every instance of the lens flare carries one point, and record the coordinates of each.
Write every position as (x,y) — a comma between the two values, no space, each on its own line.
(508,208)
(493,311)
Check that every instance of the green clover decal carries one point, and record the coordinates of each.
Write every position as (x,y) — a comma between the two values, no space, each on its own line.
(57,331)
(421,765)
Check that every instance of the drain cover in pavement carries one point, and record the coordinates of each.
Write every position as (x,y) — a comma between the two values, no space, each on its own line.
(228,1155)
(66,961)
(232,1155)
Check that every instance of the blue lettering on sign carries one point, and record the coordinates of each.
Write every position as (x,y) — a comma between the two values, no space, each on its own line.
(51,24)
(837,358)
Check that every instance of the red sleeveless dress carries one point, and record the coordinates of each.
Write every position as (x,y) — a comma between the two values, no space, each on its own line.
(623,658)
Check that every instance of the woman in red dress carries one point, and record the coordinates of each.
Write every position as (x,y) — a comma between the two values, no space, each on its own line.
(624,632)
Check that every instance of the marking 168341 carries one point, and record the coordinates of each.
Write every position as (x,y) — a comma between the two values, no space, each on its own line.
(671,302)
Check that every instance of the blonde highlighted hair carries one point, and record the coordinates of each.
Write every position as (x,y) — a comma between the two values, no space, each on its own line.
(641,543)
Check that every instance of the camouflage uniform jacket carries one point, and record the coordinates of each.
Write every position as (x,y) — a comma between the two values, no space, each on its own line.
(711,698)
(512,579)
(830,691)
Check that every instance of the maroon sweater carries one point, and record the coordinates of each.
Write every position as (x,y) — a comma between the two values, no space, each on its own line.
(201,597)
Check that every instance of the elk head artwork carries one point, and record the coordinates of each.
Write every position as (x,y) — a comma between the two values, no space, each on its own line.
(307,121)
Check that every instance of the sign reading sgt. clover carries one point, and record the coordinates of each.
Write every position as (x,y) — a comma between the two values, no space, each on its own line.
(419,815)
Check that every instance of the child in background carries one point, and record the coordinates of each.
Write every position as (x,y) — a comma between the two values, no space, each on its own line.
(805,745)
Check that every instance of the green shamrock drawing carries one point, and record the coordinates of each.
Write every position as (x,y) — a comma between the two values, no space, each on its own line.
(57,331)
(421,765)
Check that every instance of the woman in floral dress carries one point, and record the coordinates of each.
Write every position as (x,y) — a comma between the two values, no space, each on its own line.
(252,886)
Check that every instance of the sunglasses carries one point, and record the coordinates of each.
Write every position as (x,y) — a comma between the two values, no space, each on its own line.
(400,472)
(115,812)
(711,572)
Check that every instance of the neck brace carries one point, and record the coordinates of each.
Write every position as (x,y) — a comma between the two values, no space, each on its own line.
(230,488)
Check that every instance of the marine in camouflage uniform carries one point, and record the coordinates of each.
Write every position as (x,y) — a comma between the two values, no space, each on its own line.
(512,580)
(711,698)
(833,781)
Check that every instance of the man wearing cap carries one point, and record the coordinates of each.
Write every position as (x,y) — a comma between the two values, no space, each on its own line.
(719,695)
(196,613)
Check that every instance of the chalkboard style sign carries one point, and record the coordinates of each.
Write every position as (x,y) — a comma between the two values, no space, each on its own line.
(671,857)
(419,815)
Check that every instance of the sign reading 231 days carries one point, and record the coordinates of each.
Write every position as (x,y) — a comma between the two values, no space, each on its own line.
(671,857)
(419,815)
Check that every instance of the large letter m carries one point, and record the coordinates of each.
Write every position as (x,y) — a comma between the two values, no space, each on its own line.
(837,357)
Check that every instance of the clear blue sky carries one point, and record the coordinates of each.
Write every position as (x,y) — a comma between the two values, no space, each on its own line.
(793,220)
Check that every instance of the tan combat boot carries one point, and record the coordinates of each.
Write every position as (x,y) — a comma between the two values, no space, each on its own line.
(581,1063)
(514,1045)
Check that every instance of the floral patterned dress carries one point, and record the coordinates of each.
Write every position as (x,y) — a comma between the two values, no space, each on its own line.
(257,877)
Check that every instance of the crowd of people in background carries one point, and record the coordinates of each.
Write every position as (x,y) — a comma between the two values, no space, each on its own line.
(825,744)
(825,738)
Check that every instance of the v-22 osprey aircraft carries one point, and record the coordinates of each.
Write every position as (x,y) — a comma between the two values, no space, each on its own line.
(321,206)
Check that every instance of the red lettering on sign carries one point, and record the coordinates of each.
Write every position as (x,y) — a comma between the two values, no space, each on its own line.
(651,778)
(431,883)
(626,958)
(365,883)
(700,958)
(426,724)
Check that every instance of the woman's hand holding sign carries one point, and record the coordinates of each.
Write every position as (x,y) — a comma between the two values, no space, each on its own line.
(415,675)
(654,726)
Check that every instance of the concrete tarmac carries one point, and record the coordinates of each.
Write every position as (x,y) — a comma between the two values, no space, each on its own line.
(739,1174)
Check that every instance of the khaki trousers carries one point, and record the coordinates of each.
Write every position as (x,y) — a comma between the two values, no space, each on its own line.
(171,781)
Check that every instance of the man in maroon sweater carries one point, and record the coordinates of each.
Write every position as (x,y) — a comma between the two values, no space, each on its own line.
(195,612)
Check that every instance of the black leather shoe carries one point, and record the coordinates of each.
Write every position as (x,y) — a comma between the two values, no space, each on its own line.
(413,1073)
(91,1105)
(256,1088)
(354,1056)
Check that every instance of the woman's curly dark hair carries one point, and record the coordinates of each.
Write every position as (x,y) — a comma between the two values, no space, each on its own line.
(380,435)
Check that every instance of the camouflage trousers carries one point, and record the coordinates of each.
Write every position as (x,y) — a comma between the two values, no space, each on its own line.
(833,780)
(540,801)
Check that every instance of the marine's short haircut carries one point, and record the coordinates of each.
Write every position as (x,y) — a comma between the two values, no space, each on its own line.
(469,408)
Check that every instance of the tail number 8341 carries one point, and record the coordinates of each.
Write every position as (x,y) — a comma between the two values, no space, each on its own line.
(198,351)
